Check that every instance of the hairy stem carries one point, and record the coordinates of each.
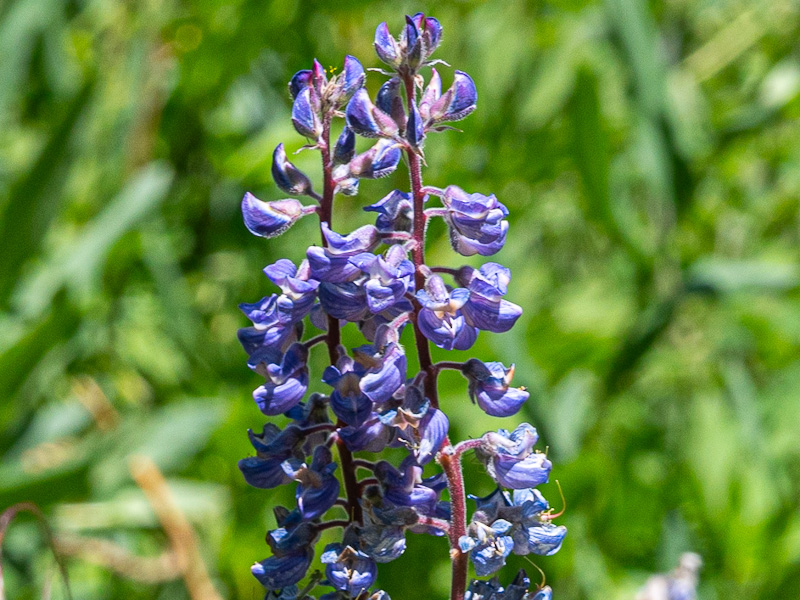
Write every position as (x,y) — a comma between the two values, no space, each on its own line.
(451,463)
(333,338)
(418,256)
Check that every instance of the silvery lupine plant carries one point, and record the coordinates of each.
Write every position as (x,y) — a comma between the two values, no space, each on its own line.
(376,277)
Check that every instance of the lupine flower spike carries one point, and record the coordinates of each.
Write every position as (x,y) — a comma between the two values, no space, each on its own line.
(376,277)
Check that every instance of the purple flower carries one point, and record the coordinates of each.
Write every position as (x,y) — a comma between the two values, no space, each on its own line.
(291,545)
(382,282)
(455,104)
(298,288)
(518,589)
(477,222)
(390,101)
(277,572)
(406,487)
(382,543)
(264,344)
(291,306)
(371,436)
(384,365)
(269,219)
(317,488)
(299,81)
(345,148)
(348,401)
(386,47)
(331,263)
(429,34)
(386,278)
(305,114)
(348,569)
(319,81)
(395,212)
(440,318)
(486,309)
(351,79)
(287,177)
(531,520)
(432,93)
(421,427)
(489,387)
(488,545)
(379,161)
(286,383)
(510,459)
(368,120)
(346,300)
(273,448)
(415,128)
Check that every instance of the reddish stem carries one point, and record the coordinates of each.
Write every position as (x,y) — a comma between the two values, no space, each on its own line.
(418,256)
(333,338)
(440,524)
(462,447)
(451,463)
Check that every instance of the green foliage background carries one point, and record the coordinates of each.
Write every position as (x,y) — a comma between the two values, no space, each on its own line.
(648,153)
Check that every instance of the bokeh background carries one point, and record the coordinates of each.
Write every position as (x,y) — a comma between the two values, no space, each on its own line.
(649,153)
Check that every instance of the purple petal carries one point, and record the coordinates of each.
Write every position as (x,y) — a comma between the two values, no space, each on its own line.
(269,219)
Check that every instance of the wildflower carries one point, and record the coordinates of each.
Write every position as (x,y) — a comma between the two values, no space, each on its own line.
(477,222)
(489,387)
(441,319)
(488,545)
(348,569)
(269,219)
(287,177)
(510,459)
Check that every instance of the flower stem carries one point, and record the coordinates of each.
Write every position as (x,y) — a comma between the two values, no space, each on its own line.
(451,464)
(334,336)
(462,447)
(448,364)
(418,255)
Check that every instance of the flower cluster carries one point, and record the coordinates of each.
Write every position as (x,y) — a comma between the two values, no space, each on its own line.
(376,278)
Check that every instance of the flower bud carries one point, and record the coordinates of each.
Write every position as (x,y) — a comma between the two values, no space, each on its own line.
(415,45)
(288,177)
(368,120)
(269,219)
(379,161)
(299,82)
(390,102)
(353,76)
(345,148)
(318,78)
(457,102)
(415,130)
(430,30)
(386,46)
(305,116)
(432,93)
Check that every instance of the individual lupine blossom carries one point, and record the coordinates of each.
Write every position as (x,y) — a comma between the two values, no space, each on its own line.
(518,589)
(375,278)
(511,460)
